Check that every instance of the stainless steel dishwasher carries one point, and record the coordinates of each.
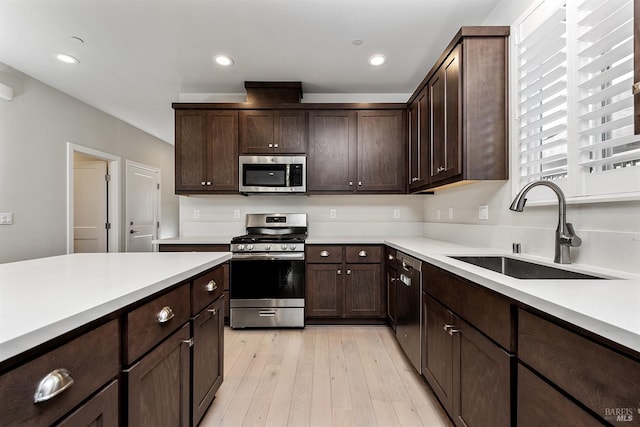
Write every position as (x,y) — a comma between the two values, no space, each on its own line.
(408,303)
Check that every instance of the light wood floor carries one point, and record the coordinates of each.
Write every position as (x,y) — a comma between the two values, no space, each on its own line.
(320,376)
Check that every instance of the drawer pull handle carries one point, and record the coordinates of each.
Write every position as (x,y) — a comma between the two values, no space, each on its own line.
(446,327)
(211,286)
(52,385)
(348,271)
(324,254)
(339,272)
(453,331)
(263,313)
(391,258)
(165,314)
(362,254)
(189,342)
(213,311)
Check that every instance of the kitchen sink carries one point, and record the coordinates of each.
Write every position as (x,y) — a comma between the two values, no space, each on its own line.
(524,269)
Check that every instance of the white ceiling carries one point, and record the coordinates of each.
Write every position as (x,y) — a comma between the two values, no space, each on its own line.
(139,56)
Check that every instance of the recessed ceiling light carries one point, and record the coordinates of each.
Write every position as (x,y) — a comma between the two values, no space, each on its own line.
(66,58)
(223,60)
(377,60)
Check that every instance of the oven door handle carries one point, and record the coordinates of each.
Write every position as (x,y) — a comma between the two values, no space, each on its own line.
(287,256)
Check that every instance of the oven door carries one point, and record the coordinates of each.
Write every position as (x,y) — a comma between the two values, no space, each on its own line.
(267,280)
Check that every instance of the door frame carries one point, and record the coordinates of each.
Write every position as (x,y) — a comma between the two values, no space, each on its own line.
(113,194)
(153,169)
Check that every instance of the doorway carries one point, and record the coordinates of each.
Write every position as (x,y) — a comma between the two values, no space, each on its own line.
(93,195)
(142,206)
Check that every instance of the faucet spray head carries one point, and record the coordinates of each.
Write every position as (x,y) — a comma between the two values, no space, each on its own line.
(518,203)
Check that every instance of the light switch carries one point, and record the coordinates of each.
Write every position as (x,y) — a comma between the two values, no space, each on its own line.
(483,212)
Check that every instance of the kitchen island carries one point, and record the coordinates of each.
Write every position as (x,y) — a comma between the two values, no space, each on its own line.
(112,320)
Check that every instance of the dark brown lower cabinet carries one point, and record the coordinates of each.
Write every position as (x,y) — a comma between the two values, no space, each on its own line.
(208,339)
(469,373)
(481,379)
(158,384)
(363,291)
(539,404)
(323,290)
(101,410)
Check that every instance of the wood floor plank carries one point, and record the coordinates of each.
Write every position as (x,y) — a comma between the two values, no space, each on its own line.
(320,376)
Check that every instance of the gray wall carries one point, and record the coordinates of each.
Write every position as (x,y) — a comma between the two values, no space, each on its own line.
(34,130)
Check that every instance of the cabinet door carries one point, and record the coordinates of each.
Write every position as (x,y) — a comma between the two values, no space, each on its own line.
(332,151)
(324,290)
(636,63)
(445,121)
(222,151)
(290,133)
(256,131)
(158,385)
(190,151)
(100,410)
(419,141)
(539,404)
(381,164)
(437,350)
(481,378)
(363,291)
(207,350)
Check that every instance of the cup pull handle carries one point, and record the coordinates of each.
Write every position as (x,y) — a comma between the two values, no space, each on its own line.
(165,314)
(211,286)
(324,254)
(362,254)
(54,383)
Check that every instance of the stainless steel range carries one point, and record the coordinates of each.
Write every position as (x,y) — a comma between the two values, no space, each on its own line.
(267,272)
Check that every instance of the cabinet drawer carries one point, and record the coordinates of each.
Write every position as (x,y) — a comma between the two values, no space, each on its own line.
(539,404)
(206,288)
(91,360)
(364,254)
(330,254)
(144,329)
(101,410)
(601,379)
(488,313)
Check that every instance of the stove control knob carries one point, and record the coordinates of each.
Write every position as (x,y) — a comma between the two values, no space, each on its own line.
(292,247)
(283,246)
(250,247)
(267,247)
(241,247)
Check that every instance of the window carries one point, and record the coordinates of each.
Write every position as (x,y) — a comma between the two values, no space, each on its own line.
(574,107)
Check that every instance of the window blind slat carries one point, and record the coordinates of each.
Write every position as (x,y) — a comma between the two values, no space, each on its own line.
(598,80)
(597,131)
(616,158)
(543,108)
(533,100)
(608,109)
(555,130)
(536,52)
(605,94)
(544,160)
(543,121)
(611,57)
(599,10)
(617,36)
(548,145)
(555,60)
(607,25)
(611,143)
(557,74)
(559,15)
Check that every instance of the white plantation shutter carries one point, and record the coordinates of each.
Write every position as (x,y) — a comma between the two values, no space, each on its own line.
(605,67)
(542,95)
(574,107)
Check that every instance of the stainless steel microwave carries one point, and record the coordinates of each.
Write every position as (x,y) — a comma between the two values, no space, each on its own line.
(273,174)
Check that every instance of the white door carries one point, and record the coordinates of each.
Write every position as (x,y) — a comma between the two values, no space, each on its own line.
(143,201)
(89,206)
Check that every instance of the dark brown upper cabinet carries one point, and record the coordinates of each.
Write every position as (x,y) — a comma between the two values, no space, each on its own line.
(206,151)
(465,118)
(418,134)
(273,132)
(356,151)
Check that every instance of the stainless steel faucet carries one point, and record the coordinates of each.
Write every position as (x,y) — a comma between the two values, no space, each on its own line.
(565,234)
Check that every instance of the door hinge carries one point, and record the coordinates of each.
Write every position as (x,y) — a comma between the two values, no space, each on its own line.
(107,177)
(158,186)
(107,225)
(158,225)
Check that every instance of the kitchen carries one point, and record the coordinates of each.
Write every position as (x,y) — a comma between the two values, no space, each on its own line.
(602,226)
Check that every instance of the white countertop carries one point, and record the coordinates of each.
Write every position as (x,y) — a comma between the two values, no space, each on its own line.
(194,240)
(609,308)
(43,298)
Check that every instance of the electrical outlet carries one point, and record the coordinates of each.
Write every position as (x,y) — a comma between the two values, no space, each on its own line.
(450,213)
(438,213)
(396,213)
(196,213)
(332,213)
(483,212)
(6,218)
(236,213)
